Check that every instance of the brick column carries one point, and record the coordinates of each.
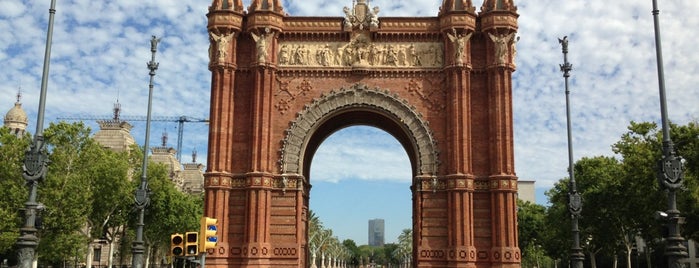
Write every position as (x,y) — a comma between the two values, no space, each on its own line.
(224,24)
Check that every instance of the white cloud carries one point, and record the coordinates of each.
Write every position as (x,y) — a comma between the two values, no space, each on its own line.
(100,51)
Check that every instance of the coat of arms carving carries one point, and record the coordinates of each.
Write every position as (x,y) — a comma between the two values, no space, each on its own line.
(361,16)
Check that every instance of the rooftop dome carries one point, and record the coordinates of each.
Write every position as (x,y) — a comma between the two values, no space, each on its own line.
(16,114)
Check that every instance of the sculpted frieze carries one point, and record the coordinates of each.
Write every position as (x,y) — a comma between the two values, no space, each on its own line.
(360,52)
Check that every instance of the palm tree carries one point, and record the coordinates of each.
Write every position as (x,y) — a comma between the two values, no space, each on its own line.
(405,246)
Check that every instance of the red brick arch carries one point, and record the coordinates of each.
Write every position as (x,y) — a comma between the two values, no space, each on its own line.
(442,86)
(357,105)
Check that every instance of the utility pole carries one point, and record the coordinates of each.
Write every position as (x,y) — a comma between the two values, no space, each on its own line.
(574,201)
(36,162)
(670,166)
(142,198)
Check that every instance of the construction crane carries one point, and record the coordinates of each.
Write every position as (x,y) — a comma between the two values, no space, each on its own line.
(117,117)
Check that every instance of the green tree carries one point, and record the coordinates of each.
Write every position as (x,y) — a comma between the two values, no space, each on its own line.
(604,222)
(13,192)
(620,197)
(686,139)
(530,222)
(596,180)
(557,238)
(353,251)
(405,245)
(169,211)
(66,192)
(641,148)
(113,190)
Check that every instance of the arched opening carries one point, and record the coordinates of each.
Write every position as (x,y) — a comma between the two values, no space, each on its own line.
(359,105)
(360,173)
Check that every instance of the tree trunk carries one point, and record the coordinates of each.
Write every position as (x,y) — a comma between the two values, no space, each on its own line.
(593,259)
(628,258)
(88,258)
(110,257)
(146,261)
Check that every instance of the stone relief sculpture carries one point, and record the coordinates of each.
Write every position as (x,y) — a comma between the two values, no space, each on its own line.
(501,42)
(360,16)
(261,45)
(374,18)
(347,23)
(459,44)
(221,44)
(284,55)
(361,53)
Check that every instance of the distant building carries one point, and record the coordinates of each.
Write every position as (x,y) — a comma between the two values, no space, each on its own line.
(16,119)
(376,232)
(193,176)
(167,156)
(115,135)
(526,191)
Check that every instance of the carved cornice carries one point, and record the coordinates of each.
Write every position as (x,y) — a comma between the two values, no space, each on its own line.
(427,24)
(253,180)
(348,72)
(467,183)
(224,21)
(315,25)
(467,21)
(499,20)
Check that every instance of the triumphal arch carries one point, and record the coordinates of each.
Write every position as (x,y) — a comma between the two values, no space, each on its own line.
(442,86)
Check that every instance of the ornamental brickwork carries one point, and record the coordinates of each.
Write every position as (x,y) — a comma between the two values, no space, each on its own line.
(442,86)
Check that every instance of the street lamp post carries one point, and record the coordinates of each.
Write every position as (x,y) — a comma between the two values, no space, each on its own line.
(574,200)
(670,166)
(142,198)
(35,164)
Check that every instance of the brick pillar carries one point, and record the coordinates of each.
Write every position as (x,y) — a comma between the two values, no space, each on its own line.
(502,181)
(459,182)
(224,25)
(256,246)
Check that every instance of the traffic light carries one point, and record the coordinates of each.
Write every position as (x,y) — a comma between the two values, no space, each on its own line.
(208,233)
(176,245)
(192,243)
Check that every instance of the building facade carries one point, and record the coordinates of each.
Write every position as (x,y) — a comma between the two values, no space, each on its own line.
(376,233)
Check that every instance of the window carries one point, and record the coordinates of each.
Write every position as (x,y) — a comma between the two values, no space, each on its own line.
(97,255)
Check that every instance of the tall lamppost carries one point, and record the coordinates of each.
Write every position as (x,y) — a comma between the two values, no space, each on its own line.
(574,200)
(35,164)
(670,166)
(142,198)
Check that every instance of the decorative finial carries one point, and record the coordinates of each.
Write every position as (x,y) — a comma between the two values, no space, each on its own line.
(194,156)
(152,65)
(565,67)
(564,42)
(154,43)
(19,94)
(117,110)
(164,138)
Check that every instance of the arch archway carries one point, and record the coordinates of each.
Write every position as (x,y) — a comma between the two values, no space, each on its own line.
(442,86)
(352,106)
(359,105)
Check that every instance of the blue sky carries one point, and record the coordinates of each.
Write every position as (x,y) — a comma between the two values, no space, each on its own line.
(100,50)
